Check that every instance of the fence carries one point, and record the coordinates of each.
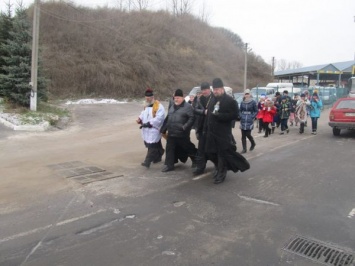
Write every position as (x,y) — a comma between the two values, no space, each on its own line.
(328,95)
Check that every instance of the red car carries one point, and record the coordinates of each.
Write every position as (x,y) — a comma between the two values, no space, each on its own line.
(342,115)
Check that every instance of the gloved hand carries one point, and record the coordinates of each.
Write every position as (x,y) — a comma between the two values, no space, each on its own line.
(148,125)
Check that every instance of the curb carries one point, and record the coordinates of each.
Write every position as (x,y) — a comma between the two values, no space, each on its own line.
(41,127)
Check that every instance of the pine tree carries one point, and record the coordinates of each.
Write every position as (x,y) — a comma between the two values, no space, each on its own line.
(15,80)
(5,29)
(16,75)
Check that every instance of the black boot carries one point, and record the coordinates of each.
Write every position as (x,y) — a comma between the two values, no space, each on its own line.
(159,158)
(145,164)
(193,160)
(200,165)
(215,173)
(266,133)
(302,128)
(253,144)
(222,173)
(272,130)
(244,143)
(151,152)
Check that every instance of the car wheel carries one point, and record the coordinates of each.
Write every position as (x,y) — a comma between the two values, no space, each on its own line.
(336,131)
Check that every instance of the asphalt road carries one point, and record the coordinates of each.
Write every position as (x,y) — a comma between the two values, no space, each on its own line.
(299,186)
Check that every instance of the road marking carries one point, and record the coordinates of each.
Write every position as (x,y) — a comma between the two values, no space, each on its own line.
(36,230)
(257,200)
(351,214)
(201,176)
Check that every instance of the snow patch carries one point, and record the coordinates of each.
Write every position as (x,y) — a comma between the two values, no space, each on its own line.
(95,101)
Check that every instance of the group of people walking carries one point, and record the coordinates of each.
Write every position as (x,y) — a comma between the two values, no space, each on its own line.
(281,110)
(211,114)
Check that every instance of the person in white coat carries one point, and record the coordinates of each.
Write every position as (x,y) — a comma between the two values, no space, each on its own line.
(151,119)
(301,111)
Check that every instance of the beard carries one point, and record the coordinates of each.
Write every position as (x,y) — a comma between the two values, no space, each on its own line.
(149,102)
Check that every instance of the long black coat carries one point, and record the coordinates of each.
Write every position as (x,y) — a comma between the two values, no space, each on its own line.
(219,133)
(219,129)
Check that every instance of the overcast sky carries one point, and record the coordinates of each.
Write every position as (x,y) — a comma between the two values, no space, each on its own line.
(311,32)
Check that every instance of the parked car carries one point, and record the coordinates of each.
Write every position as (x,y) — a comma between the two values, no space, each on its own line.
(193,91)
(328,96)
(352,94)
(238,96)
(256,92)
(280,86)
(342,115)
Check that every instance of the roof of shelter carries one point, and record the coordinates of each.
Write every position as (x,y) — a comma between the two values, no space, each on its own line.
(335,68)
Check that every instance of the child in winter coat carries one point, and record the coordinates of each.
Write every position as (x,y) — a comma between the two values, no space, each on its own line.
(284,112)
(260,114)
(268,116)
(293,109)
(301,111)
(316,107)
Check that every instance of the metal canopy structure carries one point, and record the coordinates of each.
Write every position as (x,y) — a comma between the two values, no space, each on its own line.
(337,73)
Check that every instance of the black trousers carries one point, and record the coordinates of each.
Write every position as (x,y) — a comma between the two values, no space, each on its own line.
(202,156)
(260,124)
(267,128)
(154,153)
(185,148)
(247,134)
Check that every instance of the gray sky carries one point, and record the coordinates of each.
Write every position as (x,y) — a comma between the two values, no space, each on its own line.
(311,32)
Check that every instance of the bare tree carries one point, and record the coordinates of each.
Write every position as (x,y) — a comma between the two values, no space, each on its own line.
(121,4)
(204,12)
(282,64)
(126,4)
(181,7)
(140,4)
(295,64)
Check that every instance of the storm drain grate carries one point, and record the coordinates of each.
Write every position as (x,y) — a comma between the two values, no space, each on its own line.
(320,252)
(82,173)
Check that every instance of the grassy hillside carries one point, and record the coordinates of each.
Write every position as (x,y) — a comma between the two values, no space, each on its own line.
(112,53)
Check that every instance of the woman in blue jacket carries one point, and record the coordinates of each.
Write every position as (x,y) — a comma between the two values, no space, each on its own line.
(248,111)
(315,109)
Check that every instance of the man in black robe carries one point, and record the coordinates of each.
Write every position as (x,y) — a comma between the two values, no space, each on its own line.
(219,142)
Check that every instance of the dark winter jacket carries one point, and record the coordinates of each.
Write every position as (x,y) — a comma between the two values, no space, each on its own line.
(219,129)
(248,111)
(179,120)
(284,110)
(198,113)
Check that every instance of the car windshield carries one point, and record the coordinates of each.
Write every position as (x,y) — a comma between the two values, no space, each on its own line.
(255,92)
(346,105)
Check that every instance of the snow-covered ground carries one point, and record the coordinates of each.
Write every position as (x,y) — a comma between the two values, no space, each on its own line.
(16,121)
(95,101)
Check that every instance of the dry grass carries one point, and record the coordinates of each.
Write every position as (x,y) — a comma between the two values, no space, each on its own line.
(112,53)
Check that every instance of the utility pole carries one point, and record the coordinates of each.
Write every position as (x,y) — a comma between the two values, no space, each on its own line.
(272,67)
(245,66)
(34,64)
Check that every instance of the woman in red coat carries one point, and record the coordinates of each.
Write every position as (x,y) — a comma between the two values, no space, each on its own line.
(269,110)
